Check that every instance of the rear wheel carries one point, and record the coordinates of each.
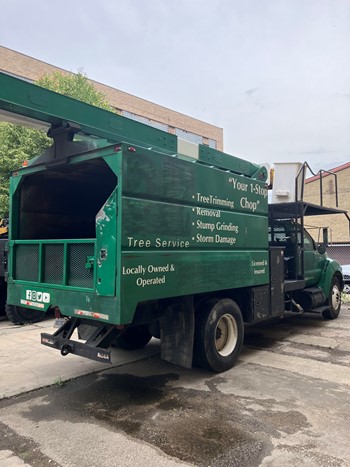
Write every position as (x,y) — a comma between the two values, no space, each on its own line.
(134,337)
(334,301)
(22,315)
(3,296)
(219,334)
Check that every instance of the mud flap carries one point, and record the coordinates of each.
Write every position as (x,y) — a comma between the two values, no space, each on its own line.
(177,331)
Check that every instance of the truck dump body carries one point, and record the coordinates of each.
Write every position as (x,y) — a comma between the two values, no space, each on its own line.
(128,225)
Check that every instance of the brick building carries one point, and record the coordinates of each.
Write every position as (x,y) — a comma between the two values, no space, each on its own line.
(339,235)
(196,131)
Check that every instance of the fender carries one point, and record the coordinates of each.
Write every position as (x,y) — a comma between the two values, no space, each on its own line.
(331,268)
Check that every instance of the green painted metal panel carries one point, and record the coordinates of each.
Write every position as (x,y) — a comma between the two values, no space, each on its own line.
(157,226)
(188,228)
(26,99)
(169,228)
(62,263)
(330,268)
(150,275)
(150,175)
(71,302)
(106,247)
(217,158)
(167,225)
(34,102)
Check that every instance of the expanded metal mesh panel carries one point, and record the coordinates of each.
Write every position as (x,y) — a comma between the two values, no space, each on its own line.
(53,263)
(78,274)
(27,262)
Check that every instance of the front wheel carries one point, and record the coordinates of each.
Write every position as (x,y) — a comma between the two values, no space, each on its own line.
(334,301)
(219,334)
(22,315)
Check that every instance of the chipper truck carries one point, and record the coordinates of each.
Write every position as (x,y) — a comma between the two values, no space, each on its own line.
(128,232)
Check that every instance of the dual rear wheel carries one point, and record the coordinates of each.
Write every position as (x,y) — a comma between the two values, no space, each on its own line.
(219,334)
(218,338)
(22,315)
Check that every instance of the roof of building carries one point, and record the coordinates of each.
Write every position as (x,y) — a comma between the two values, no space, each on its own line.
(339,168)
(23,66)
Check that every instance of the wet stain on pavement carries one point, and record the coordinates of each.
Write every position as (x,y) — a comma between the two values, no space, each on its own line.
(25,448)
(258,340)
(201,427)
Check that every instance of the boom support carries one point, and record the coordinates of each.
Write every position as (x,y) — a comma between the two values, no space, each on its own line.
(41,105)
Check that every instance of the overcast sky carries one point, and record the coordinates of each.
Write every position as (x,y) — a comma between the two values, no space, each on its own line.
(274,74)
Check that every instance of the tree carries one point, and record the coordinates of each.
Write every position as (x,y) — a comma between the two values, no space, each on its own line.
(77,86)
(18,143)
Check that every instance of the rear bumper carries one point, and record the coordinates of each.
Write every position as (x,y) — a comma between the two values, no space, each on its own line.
(96,347)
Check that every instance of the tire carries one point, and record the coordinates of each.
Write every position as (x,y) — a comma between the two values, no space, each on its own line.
(22,315)
(334,301)
(132,338)
(3,296)
(219,334)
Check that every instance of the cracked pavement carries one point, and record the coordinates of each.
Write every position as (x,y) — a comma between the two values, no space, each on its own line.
(284,403)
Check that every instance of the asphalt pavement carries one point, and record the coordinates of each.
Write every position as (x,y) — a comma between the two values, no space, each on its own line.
(26,364)
(285,403)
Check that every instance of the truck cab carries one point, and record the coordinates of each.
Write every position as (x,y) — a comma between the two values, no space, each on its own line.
(289,235)
(312,281)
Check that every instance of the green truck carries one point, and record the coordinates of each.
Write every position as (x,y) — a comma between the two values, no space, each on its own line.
(127,232)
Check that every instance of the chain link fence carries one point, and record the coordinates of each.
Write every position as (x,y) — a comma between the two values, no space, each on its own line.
(340,252)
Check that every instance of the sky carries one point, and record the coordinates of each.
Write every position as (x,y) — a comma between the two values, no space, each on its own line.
(274,74)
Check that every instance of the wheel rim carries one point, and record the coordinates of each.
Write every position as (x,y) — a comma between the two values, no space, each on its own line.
(336,297)
(226,335)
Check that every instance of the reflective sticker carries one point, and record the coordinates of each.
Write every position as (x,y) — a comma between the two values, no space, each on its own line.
(93,314)
(35,304)
(47,341)
(103,355)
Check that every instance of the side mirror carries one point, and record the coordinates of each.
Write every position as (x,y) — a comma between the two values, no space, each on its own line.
(321,249)
(325,235)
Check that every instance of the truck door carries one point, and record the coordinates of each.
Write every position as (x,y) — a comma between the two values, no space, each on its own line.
(313,261)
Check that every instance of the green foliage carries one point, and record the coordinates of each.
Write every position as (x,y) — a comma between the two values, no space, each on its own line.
(76,86)
(18,143)
(59,381)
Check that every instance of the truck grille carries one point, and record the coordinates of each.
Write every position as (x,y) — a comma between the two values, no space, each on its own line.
(64,263)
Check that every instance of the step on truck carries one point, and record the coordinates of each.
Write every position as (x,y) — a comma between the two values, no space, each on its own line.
(128,232)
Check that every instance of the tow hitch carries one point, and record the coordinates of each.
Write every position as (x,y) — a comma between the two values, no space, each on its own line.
(96,347)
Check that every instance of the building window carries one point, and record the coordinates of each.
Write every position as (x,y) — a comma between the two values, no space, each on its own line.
(146,121)
(187,135)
